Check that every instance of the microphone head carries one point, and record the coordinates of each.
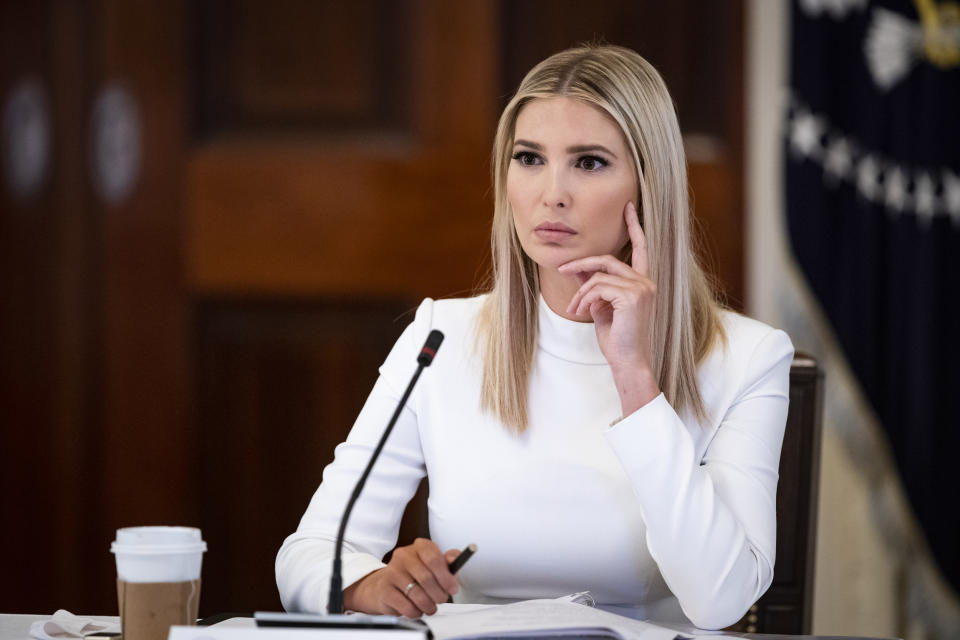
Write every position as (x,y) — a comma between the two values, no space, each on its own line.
(430,347)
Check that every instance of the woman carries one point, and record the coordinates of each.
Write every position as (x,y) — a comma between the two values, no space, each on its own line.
(596,421)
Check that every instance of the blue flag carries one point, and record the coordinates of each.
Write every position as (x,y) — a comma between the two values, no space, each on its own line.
(873,210)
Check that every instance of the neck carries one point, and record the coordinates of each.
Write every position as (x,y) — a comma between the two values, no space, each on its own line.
(557,291)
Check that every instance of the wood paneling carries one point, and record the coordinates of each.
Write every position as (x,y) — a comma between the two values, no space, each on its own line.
(689,42)
(341,220)
(142,436)
(48,462)
(716,197)
(369,212)
(278,385)
(300,65)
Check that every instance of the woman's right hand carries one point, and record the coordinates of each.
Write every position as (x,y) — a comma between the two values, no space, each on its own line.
(386,591)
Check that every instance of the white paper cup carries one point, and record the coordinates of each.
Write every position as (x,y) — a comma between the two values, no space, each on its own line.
(158,554)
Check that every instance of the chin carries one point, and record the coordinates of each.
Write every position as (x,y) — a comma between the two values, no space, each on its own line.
(551,257)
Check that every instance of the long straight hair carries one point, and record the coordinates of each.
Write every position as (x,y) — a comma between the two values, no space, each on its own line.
(628,89)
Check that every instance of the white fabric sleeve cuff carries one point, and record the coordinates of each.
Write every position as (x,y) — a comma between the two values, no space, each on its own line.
(646,433)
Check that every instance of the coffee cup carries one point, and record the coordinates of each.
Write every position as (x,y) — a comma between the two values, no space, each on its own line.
(158,579)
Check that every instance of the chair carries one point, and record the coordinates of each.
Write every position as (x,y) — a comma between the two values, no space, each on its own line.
(787,607)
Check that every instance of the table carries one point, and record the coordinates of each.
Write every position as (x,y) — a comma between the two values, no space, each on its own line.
(17,627)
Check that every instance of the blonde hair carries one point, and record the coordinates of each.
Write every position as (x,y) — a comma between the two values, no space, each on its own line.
(626,87)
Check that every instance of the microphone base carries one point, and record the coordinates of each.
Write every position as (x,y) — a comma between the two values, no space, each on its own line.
(344,621)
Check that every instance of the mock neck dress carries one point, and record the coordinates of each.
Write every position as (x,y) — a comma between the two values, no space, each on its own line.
(659,516)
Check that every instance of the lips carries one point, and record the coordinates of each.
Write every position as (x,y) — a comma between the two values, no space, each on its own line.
(554,226)
(554,231)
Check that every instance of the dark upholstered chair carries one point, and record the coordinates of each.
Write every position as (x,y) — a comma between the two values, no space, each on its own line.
(787,607)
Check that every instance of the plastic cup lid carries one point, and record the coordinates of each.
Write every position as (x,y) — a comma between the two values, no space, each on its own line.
(151,550)
(158,540)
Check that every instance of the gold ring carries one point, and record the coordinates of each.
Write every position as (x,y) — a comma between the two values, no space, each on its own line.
(409,586)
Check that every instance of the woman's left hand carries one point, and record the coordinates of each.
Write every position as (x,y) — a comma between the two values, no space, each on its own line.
(622,301)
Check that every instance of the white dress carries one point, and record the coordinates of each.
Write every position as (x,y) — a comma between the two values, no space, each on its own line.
(658,516)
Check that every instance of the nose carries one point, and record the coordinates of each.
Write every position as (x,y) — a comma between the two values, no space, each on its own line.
(556,192)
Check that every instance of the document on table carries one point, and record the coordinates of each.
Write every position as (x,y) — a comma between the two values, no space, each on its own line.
(538,619)
(569,617)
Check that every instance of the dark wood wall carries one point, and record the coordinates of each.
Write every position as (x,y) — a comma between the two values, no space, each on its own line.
(190,351)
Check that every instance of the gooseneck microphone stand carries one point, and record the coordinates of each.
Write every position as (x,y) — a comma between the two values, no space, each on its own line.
(427,353)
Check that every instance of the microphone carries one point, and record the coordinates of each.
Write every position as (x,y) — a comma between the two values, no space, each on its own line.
(424,359)
(429,349)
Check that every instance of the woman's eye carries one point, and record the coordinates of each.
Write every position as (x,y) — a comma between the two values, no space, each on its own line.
(526,158)
(591,163)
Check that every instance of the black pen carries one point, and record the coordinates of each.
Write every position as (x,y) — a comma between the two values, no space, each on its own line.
(461,559)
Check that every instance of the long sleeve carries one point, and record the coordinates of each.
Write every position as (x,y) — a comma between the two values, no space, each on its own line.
(711,518)
(304,562)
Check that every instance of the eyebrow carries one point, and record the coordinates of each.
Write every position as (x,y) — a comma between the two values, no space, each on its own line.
(580,148)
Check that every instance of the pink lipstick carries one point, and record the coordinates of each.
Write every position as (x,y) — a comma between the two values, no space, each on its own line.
(554,231)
